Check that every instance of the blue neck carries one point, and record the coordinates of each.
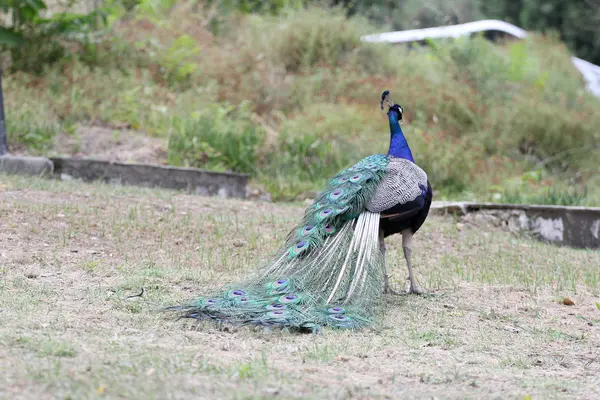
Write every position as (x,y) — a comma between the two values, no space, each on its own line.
(398,144)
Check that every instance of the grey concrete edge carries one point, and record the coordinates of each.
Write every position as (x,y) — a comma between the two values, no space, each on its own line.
(566,225)
(58,159)
(467,206)
(195,180)
(25,165)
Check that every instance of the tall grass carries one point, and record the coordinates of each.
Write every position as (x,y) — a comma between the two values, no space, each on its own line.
(218,138)
(304,94)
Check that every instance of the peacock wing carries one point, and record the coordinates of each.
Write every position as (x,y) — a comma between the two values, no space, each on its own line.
(345,197)
(403,183)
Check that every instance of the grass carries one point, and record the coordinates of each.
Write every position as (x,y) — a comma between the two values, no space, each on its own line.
(292,99)
(75,254)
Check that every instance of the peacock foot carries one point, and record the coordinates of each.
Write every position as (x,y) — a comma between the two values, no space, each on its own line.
(415,289)
(386,286)
(389,290)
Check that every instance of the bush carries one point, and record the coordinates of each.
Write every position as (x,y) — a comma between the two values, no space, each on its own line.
(313,37)
(219,137)
(314,146)
(34,42)
(259,6)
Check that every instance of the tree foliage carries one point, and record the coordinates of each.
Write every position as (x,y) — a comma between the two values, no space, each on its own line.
(33,41)
(576,21)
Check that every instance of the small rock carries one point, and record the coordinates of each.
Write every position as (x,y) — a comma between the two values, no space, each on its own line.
(568,302)
(266,197)
(512,329)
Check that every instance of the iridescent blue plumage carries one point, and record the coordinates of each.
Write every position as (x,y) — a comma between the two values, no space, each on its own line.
(398,145)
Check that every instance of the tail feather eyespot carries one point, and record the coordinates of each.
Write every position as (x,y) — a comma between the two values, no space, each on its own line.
(306,230)
(277,314)
(325,213)
(279,286)
(276,307)
(298,248)
(290,299)
(235,293)
(329,229)
(336,194)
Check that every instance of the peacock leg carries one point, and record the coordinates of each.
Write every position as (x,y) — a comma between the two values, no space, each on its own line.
(386,277)
(407,247)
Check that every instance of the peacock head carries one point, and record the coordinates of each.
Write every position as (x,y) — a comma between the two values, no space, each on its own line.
(393,108)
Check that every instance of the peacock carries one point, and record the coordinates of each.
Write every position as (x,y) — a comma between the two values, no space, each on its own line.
(331,271)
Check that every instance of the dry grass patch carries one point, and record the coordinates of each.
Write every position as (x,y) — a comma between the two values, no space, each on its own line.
(74,256)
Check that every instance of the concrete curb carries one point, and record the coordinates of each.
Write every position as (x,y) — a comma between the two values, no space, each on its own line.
(202,182)
(571,226)
(37,166)
(195,180)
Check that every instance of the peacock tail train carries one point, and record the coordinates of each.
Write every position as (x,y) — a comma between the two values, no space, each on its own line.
(330,271)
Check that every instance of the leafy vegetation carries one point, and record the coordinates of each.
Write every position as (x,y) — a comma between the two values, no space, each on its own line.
(218,138)
(33,41)
(575,21)
(291,96)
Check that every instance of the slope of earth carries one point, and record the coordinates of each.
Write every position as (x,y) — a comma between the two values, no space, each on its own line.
(113,144)
(73,257)
(110,143)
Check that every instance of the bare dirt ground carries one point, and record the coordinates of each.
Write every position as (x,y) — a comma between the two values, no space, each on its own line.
(73,257)
(112,144)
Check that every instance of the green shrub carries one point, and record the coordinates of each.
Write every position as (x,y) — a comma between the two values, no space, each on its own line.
(27,129)
(176,61)
(316,145)
(34,42)
(217,137)
(259,6)
(312,37)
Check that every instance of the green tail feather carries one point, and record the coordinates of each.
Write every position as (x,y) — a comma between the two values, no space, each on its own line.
(330,271)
